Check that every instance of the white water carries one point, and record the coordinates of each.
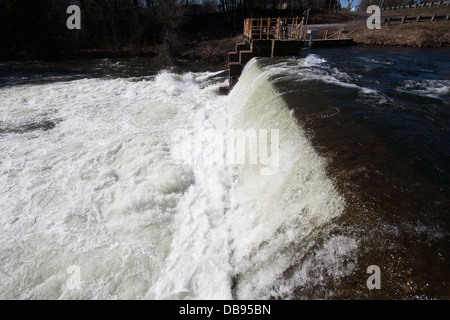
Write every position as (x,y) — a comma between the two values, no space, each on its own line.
(313,67)
(436,89)
(276,214)
(102,191)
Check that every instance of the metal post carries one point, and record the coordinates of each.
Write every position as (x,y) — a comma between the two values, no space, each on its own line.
(295,25)
(260,28)
(301,30)
(307,17)
(278,28)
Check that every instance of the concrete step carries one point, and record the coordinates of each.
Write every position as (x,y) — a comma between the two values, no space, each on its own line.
(242,46)
(233,56)
(235,69)
(232,81)
(245,56)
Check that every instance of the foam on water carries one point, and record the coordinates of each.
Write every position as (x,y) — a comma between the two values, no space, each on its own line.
(314,68)
(311,60)
(103,191)
(276,216)
(437,89)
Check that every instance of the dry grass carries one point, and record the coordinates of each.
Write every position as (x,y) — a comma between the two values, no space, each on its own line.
(414,12)
(214,52)
(412,34)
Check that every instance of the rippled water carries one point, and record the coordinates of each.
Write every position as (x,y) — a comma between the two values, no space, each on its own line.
(381,118)
(114,182)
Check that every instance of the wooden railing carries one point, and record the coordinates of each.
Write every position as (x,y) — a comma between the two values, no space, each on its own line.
(274,28)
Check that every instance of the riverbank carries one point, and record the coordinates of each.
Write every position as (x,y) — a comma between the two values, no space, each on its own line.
(422,34)
(214,52)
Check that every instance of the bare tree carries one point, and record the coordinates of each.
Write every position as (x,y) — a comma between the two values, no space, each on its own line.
(223,4)
(349,4)
(170,17)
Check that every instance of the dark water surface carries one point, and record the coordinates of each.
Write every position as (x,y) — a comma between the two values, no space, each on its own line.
(382,118)
(41,72)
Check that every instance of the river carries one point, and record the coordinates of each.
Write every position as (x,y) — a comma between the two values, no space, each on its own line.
(124,180)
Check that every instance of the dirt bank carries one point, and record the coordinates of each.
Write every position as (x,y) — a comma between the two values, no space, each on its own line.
(214,52)
(411,34)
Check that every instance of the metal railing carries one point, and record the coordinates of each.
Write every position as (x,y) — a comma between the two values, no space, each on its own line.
(285,29)
(274,28)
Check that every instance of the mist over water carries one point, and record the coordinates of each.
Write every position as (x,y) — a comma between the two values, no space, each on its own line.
(91,177)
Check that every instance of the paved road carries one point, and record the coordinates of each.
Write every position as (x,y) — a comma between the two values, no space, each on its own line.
(332,25)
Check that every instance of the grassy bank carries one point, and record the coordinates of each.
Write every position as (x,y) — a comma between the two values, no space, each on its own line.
(411,34)
(441,10)
(213,52)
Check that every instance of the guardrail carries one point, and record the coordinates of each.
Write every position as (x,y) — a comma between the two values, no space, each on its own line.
(418,18)
(419,5)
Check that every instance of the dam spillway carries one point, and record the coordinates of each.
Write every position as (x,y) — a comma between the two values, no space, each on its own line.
(267,37)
